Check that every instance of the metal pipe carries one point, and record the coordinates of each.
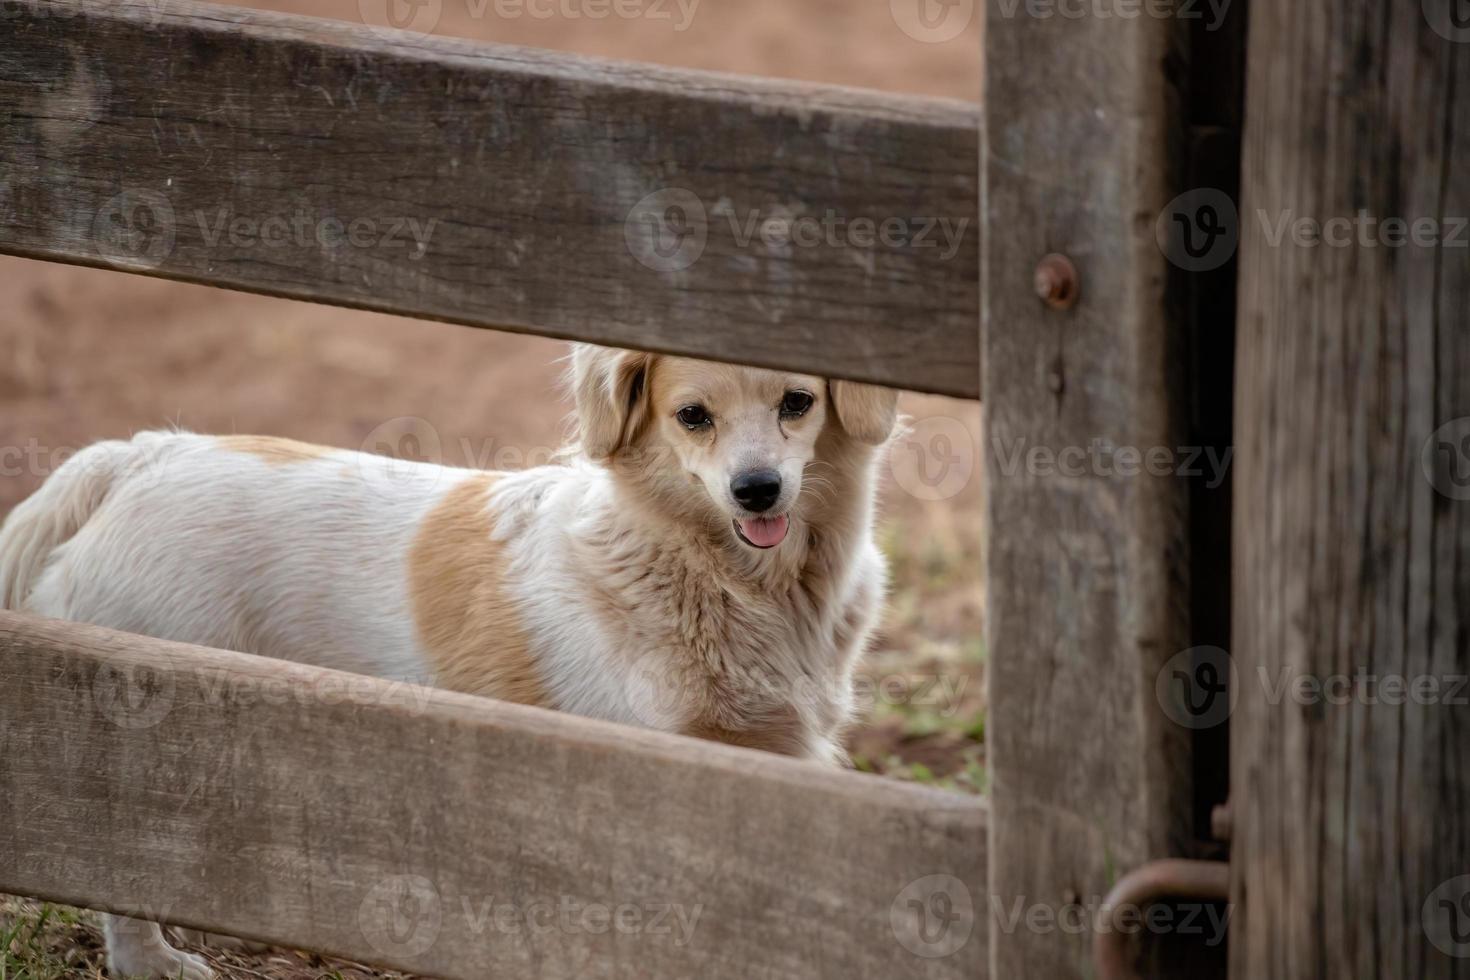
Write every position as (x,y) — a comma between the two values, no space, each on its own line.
(1155,881)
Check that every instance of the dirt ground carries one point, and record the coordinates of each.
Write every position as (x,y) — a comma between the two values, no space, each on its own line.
(90,354)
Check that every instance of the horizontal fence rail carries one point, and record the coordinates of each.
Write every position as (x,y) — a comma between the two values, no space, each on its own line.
(780,224)
(457,836)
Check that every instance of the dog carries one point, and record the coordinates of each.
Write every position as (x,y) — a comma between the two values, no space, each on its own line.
(700,560)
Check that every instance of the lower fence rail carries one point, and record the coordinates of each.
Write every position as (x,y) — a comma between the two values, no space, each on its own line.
(456,836)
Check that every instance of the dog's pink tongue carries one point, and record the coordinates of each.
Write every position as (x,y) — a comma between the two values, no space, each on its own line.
(764,532)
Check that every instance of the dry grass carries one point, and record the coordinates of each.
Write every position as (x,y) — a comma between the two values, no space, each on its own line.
(40,941)
(926,671)
(48,942)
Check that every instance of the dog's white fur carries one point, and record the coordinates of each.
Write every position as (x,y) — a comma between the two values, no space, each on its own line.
(612,584)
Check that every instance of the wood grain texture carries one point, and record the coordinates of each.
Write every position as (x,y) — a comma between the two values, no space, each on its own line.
(495,186)
(1352,525)
(1087,571)
(446,834)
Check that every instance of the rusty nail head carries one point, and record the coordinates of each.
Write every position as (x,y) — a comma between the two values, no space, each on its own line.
(1056,282)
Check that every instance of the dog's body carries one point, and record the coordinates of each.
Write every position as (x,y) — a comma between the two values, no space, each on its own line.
(625,583)
(540,587)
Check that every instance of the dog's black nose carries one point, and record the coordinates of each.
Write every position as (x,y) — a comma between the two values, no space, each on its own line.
(756,490)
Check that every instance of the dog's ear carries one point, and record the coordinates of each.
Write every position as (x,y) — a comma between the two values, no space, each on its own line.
(611,390)
(868,413)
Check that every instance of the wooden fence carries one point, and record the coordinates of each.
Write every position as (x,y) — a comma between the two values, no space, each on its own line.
(451,835)
(586,199)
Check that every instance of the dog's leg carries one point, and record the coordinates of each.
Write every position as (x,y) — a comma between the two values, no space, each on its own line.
(136,948)
(29,539)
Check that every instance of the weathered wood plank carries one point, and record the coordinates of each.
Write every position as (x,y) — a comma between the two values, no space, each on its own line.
(1088,557)
(458,836)
(780,224)
(1351,739)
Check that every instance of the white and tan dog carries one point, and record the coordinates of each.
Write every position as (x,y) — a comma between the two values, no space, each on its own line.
(701,561)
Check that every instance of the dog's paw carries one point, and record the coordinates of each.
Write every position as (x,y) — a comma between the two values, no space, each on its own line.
(164,963)
(138,949)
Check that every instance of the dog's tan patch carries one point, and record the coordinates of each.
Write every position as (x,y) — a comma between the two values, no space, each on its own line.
(273,450)
(778,729)
(469,626)
(780,738)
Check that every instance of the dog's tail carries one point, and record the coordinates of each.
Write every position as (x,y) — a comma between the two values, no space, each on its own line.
(53,514)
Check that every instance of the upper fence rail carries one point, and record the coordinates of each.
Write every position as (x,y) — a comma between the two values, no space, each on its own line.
(779,224)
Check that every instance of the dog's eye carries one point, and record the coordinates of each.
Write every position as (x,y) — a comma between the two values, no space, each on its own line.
(796,403)
(694,416)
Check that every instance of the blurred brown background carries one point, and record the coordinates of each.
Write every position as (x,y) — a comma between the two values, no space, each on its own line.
(93,354)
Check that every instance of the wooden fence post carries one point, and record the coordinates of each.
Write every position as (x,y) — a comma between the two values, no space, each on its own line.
(1084,145)
(1351,738)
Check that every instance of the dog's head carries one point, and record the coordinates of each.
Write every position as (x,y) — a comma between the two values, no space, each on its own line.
(728,445)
